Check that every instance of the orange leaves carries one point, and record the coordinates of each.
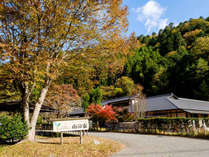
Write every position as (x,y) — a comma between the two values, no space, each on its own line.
(62,98)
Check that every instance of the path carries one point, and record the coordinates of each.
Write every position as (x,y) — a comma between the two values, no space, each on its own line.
(158,146)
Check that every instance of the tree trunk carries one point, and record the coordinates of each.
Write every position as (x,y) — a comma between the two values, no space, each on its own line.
(26,110)
(32,129)
(26,98)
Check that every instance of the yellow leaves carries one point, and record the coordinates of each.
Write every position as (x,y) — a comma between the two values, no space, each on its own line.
(55,31)
(174,30)
(3,45)
(192,33)
(171,53)
(15,69)
(159,73)
(1,6)
(201,46)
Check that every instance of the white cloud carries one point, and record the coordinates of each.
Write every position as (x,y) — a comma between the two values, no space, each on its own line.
(151,14)
(162,23)
(176,24)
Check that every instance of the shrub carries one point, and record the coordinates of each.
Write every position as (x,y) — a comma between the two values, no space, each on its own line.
(12,128)
(123,115)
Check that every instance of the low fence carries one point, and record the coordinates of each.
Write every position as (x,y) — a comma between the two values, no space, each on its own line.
(169,126)
(123,127)
(185,126)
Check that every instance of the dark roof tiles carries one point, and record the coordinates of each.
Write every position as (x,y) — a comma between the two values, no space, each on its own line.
(168,102)
(125,98)
(159,103)
(190,104)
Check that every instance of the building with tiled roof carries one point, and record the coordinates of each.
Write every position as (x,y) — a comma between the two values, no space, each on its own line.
(168,105)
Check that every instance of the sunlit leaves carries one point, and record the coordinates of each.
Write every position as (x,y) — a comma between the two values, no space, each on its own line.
(39,36)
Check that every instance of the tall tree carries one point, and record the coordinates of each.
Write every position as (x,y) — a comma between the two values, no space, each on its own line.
(126,84)
(95,96)
(38,36)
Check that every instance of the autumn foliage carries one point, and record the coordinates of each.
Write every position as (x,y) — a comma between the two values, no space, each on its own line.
(101,114)
(39,38)
(62,98)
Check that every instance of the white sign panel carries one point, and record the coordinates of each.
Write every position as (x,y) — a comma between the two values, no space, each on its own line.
(70,125)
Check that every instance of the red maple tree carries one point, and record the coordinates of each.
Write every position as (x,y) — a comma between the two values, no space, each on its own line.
(101,114)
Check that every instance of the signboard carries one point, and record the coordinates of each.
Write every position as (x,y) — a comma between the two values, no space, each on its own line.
(70,125)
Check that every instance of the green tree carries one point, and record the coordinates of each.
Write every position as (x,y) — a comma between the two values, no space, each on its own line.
(85,101)
(95,96)
(126,84)
(145,68)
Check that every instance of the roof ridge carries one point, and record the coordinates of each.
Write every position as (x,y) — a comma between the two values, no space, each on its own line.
(118,98)
(194,100)
(168,98)
(168,94)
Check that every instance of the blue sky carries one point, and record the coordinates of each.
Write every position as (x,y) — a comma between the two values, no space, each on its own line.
(147,16)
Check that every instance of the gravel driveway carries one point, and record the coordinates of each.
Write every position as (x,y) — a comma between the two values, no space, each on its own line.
(158,146)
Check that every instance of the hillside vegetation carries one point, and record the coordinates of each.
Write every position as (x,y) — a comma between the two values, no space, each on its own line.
(176,59)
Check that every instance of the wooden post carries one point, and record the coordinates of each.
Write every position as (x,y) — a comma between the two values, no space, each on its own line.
(61,138)
(81,138)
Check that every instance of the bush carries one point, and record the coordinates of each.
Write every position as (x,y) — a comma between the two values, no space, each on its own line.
(12,128)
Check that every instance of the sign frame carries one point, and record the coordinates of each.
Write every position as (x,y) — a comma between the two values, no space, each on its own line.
(70,125)
(67,125)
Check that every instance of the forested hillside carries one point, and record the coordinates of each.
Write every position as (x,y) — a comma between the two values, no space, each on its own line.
(174,60)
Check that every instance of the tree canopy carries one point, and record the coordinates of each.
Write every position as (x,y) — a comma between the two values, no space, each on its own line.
(38,38)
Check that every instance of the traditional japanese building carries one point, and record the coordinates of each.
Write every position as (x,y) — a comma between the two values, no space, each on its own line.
(168,105)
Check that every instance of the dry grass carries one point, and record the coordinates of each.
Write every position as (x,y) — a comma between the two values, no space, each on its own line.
(50,147)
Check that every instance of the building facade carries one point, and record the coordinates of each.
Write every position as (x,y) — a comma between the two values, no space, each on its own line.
(168,105)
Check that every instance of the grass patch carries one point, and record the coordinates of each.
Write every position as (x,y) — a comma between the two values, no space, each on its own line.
(51,147)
